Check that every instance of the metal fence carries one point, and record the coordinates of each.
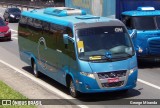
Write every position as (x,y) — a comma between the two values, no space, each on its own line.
(30,4)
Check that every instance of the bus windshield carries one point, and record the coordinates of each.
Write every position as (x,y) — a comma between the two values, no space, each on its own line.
(104,43)
(147,22)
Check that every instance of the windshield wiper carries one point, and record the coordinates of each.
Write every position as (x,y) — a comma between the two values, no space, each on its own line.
(122,57)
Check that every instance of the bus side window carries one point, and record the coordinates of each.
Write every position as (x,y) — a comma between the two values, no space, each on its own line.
(58,31)
(30,22)
(70,51)
(23,20)
(22,31)
(46,26)
(37,29)
(37,24)
(49,35)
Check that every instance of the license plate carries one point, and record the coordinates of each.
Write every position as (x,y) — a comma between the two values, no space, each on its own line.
(1,34)
(112,80)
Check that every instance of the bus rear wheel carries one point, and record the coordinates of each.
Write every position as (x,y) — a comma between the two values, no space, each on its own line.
(34,69)
(73,92)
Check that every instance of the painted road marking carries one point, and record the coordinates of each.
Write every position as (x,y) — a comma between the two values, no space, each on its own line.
(45,85)
(14,30)
(14,35)
(149,84)
(14,38)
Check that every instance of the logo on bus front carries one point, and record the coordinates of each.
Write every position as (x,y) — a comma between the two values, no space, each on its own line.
(118,30)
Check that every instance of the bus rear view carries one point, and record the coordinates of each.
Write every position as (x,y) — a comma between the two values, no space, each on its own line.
(86,53)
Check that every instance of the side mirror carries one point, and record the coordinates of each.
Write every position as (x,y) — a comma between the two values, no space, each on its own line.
(65,39)
(133,33)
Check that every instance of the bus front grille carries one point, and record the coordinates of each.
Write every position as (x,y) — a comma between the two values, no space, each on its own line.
(113,74)
(115,84)
(154,46)
(112,79)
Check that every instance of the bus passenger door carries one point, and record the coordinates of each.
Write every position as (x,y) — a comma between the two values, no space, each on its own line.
(69,64)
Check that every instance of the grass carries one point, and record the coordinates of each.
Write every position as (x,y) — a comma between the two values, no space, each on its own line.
(7,92)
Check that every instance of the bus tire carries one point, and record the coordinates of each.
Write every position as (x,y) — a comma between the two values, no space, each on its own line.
(124,91)
(72,89)
(34,69)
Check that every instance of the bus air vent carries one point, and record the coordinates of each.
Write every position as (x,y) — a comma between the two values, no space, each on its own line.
(87,17)
(64,11)
(34,10)
(145,8)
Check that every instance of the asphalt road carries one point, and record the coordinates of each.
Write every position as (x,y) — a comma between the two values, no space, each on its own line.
(148,85)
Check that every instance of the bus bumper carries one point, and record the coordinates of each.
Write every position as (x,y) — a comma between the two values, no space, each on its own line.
(89,85)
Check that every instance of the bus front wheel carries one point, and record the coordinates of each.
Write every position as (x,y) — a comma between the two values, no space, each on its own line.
(73,92)
(124,91)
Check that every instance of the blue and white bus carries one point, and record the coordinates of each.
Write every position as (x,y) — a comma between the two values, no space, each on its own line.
(86,53)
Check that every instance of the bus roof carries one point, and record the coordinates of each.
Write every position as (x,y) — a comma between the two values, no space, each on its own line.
(69,20)
(142,13)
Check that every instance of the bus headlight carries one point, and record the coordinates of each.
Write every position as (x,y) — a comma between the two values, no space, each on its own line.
(132,70)
(140,50)
(87,74)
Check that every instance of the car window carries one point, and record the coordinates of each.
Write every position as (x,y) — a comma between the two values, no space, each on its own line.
(12,10)
(6,10)
(2,23)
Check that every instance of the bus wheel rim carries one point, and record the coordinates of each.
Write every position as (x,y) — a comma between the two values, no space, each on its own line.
(35,70)
(72,88)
